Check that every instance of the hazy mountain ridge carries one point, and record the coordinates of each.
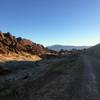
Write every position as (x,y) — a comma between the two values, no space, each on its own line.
(66,47)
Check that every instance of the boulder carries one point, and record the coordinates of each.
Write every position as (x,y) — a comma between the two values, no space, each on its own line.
(25,42)
(9,36)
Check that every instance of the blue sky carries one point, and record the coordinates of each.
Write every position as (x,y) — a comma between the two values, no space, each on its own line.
(48,22)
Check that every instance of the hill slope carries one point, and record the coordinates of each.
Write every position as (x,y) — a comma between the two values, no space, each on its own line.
(95,50)
(12,48)
(9,43)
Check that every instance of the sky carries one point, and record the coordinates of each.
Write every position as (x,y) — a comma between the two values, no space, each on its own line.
(49,22)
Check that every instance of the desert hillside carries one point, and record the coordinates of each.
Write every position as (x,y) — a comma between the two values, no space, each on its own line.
(94,51)
(9,43)
(18,49)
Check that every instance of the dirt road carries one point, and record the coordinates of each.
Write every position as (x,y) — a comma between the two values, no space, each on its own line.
(90,88)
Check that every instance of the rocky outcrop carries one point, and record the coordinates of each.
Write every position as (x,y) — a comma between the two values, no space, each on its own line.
(1,36)
(9,43)
(25,42)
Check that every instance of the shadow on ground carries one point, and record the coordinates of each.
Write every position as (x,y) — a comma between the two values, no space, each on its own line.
(53,79)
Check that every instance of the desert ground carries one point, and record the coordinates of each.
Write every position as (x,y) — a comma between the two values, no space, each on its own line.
(66,78)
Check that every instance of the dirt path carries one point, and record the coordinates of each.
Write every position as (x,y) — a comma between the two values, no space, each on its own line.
(89,87)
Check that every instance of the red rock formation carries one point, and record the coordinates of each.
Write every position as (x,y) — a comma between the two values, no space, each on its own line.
(9,43)
(25,42)
(1,36)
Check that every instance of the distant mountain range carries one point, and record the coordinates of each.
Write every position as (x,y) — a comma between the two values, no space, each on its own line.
(65,47)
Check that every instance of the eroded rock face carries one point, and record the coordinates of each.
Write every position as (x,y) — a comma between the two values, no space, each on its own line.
(9,36)
(1,36)
(25,42)
(9,43)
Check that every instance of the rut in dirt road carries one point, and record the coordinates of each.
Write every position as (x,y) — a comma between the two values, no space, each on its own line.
(89,87)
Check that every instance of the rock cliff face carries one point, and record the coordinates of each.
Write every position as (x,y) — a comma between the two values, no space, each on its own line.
(9,43)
